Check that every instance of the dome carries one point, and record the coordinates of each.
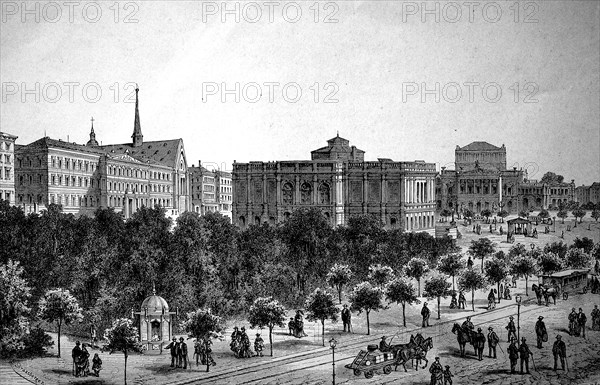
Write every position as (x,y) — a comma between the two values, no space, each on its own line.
(155,303)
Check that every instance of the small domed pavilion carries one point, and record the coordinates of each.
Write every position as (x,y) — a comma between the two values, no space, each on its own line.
(156,322)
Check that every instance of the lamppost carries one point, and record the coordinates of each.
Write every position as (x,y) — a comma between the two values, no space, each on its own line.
(333,344)
(518,299)
(554,223)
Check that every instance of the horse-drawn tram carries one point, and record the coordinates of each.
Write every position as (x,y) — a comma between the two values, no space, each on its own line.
(370,360)
(572,281)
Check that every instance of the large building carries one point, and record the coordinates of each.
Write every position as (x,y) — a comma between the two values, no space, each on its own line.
(587,194)
(82,178)
(481,180)
(339,182)
(7,167)
(212,191)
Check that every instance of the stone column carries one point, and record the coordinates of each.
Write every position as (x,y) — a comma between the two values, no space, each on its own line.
(365,193)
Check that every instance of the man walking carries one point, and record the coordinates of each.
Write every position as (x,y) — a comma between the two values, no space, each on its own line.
(540,332)
(524,354)
(512,329)
(581,320)
(346,318)
(493,340)
(479,344)
(572,322)
(461,300)
(559,349)
(425,313)
(513,355)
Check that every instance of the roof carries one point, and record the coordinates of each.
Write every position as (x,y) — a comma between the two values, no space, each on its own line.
(479,146)
(155,303)
(163,152)
(518,221)
(46,142)
(566,273)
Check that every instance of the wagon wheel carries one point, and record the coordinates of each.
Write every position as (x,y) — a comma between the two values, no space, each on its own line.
(565,296)
(357,372)
(387,369)
(369,374)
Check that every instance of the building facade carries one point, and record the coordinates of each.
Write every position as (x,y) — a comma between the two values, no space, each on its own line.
(7,167)
(587,194)
(82,178)
(212,191)
(481,180)
(340,183)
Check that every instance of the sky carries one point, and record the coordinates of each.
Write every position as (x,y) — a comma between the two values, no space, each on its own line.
(399,79)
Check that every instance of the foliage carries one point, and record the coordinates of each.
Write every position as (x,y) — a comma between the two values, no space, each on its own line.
(338,276)
(202,322)
(595,214)
(122,337)
(486,213)
(523,265)
(320,306)
(480,248)
(523,213)
(401,292)
(595,253)
(549,262)
(579,213)
(416,268)
(577,259)
(380,275)
(445,213)
(558,248)
(467,213)
(366,297)
(471,280)
(451,265)
(552,178)
(544,214)
(496,271)
(502,213)
(562,214)
(437,287)
(584,243)
(59,306)
(267,312)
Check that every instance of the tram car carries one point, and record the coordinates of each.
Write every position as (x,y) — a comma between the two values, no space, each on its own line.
(371,360)
(572,281)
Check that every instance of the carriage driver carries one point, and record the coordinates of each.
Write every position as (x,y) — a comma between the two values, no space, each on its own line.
(383,345)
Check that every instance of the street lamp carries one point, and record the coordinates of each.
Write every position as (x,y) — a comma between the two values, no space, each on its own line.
(554,223)
(518,299)
(333,344)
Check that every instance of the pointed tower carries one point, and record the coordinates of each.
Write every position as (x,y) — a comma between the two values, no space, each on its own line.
(92,141)
(137,136)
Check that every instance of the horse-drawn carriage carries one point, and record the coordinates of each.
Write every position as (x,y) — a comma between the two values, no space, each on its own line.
(566,282)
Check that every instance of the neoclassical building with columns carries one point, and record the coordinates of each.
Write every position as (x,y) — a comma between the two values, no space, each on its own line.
(339,182)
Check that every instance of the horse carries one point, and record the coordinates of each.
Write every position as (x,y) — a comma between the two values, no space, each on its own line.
(546,292)
(413,351)
(462,337)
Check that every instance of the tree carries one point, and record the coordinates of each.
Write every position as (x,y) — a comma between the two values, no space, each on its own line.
(523,265)
(552,178)
(596,214)
(416,268)
(480,248)
(437,287)
(502,214)
(544,214)
(59,306)
(338,276)
(451,265)
(445,213)
(496,272)
(577,259)
(320,306)
(549,263)
(122,337)
(558,248)
(471,280)
(402,292)
(201,324)
(14,308)
(380,275)
(579,213)
(523,213)
(267,312)
(595,253)
(487,213)
(562,214)
(467,213)
(366,297)
(584,243)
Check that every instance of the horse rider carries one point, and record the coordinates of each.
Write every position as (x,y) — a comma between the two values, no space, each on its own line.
(493,340)
(383,345)
(540,332)
(468,326)
(524,354)
(513,355)
(559,350)
(512,329)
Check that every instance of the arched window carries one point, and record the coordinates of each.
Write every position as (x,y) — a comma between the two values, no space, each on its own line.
(287,194)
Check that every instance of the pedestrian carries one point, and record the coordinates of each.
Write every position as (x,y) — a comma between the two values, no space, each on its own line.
(469,263)
(507,292)
(259,345)
(572,322)
(479,344)
(540,332)
(513,355)
(501,292)
(448,376)
(514,280)
(234,345)
(208,352)
(96,365)
(84,361)
(75,353)
(245,340)
(437,372)
(173,347)
(425,313)
(453,301)
(183,353)
(559,350)
(524,354)
(581,320)
(291,327)
(596,318)
(491,300)
(461,300)
(512,329)
(346,318)
(493,340)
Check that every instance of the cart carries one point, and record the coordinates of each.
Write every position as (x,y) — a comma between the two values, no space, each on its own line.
(371,360)
(572,281)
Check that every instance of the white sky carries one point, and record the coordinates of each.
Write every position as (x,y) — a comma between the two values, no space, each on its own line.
(369,54)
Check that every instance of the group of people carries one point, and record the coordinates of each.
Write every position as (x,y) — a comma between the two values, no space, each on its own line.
(240,344)
(296,325)
(439,374)
(460,304)
(81,361)
(203,352)
(577,323)
(179,353)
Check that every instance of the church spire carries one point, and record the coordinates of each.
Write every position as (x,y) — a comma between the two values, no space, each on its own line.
(137,136)
(92,141)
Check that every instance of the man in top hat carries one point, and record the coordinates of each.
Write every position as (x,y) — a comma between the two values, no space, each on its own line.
(173,347)
(540,332)
(182,354)
(493,340)
(383,345)
(581,320)
(512,329)
(346,317)
(524,354)
(437,372)
(425,313)
(559,349)
(513,355)
(479,344)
